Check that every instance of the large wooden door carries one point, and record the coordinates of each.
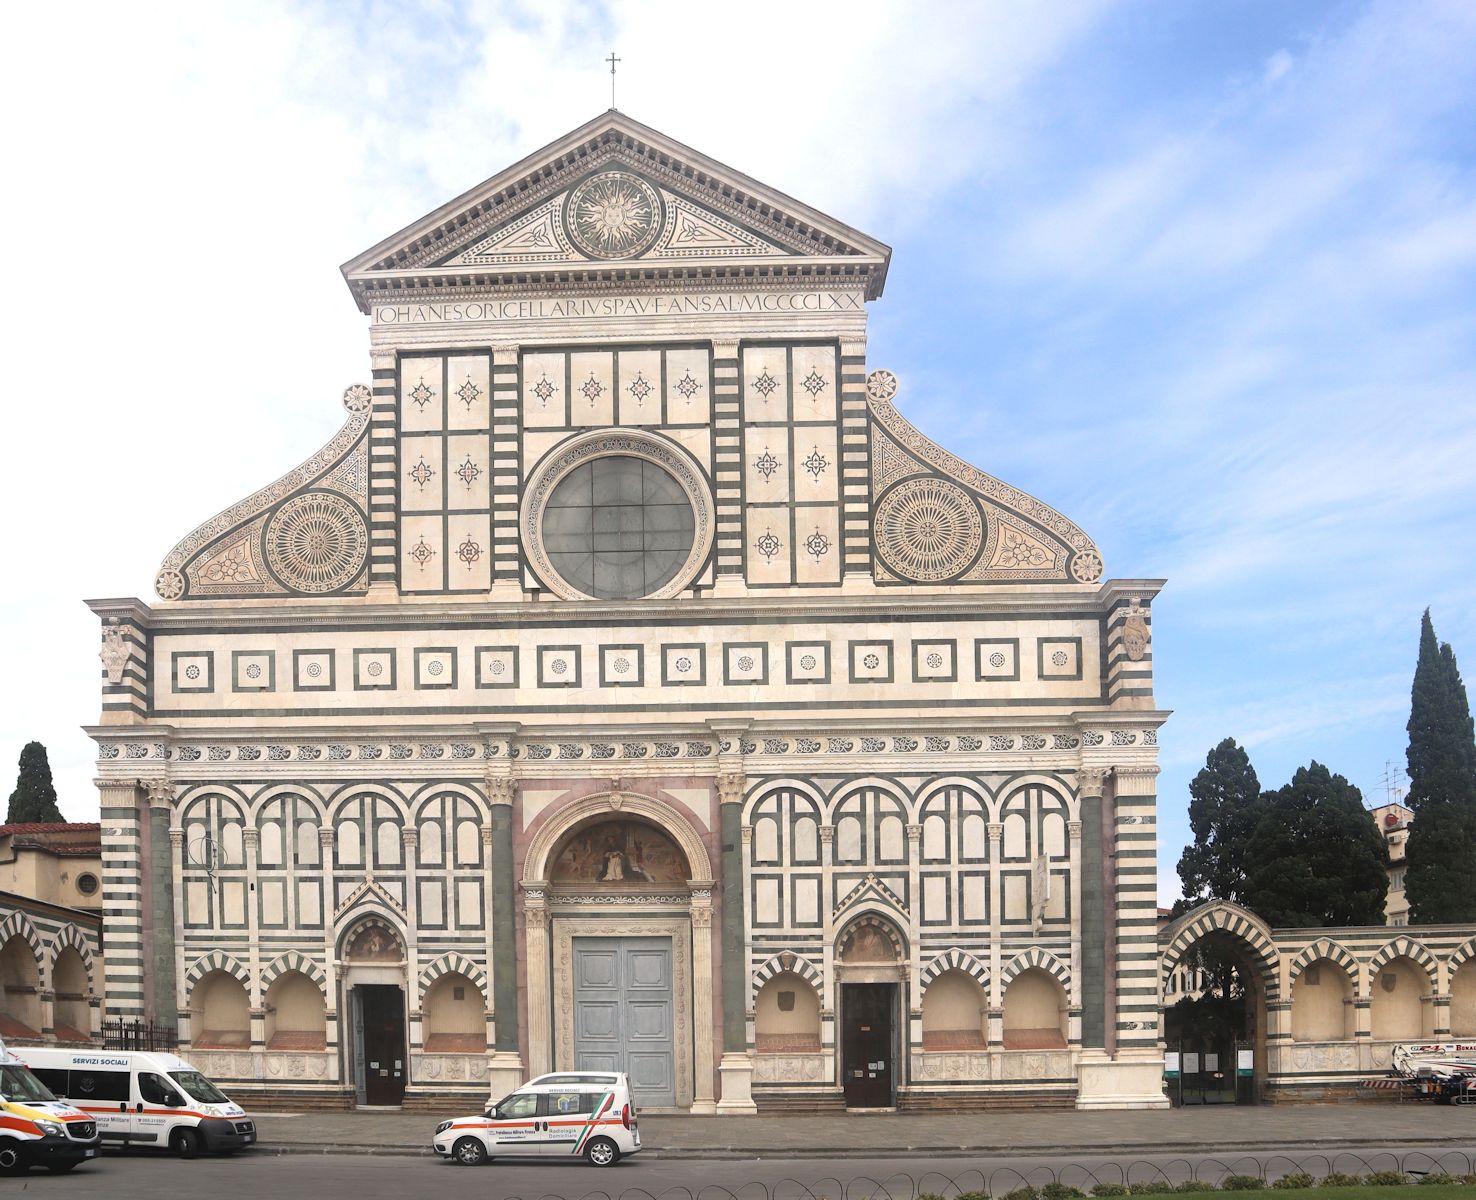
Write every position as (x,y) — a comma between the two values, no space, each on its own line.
(385,1060)
(868,1054)
(623,1014)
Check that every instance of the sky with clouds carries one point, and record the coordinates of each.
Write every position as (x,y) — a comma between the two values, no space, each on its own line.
(1203,276)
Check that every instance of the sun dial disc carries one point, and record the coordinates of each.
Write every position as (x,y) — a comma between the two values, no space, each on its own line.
(613,215)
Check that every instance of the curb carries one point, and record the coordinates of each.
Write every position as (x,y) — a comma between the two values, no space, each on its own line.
(733,1153)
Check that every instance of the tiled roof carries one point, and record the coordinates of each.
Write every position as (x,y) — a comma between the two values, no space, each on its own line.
(51,827)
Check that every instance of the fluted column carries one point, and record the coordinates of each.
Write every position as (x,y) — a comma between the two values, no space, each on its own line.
(540,1028)
(703,1098)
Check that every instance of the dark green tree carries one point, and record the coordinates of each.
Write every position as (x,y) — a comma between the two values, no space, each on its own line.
(34,798)
(1224,806)
(1316,857)
(1440,876)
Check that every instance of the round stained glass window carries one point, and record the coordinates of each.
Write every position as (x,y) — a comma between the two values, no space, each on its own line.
(618,527)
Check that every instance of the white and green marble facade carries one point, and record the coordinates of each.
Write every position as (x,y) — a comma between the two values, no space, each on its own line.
(883,687)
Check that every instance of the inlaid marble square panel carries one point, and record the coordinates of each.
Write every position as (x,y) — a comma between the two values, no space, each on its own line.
(814,386)
(688,387)
(497,666)
(422,393)
(807,662)
(746,662)
(622,666)
(558,666)
(374,670)
(640,387)
(545,390)
(468,392)
(313,670)
(193,671)
(871,662)
(997,659)
(253,670)
(435,667)
(684,664)
(1058,658)
(934,660)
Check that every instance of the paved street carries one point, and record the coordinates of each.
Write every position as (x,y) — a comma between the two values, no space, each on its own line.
(1351,1125)
(250,1176)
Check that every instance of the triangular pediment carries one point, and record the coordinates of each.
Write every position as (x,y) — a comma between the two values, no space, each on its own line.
(611,195)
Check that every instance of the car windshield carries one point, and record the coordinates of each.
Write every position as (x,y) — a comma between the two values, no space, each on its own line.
(17,1083)
(199,1087)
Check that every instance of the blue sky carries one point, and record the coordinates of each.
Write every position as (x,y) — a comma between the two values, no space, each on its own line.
(1202,275)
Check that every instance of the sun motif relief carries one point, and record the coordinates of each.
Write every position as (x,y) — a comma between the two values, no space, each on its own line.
(613,215)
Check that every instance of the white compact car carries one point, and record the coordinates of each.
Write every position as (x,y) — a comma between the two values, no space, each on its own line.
(561,1115)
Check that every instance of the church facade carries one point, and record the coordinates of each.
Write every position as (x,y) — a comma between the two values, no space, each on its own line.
(629,684)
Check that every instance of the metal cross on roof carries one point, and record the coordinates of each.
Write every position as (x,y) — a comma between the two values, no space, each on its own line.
(612,60)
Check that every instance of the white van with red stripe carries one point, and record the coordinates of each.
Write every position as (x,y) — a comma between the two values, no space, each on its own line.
(144,1098)
(563,1115)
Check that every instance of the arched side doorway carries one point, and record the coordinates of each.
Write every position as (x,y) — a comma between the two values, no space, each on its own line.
(1219,986)
(617,904)
(870,970)
(372,974)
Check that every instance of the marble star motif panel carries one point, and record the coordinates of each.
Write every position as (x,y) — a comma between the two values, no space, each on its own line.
(445,472)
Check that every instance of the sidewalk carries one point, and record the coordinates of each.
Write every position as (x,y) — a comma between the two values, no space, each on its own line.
(1306,1126)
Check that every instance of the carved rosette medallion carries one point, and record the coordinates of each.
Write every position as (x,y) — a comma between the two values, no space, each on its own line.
(613,215)
(316,542)
(928,530)
(357,398)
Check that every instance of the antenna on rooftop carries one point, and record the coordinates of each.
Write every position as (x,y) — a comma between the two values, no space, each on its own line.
(1395,782)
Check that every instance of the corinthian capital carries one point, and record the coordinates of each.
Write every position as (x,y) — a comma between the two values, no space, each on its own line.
(1090,781)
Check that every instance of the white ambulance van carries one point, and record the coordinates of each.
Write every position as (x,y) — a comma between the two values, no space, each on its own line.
(563,1115)
(36,1129)
(144,1098)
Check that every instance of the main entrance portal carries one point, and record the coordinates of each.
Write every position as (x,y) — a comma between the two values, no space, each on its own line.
(623,1013)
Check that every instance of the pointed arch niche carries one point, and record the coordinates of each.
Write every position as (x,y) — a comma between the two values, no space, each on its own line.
(620,865)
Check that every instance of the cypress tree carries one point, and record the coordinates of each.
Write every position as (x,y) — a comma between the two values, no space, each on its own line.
(1440,875)
(34,798)
(1225,805)
(1316,857)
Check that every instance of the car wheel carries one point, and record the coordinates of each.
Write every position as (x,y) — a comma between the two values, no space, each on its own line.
(602,1152)
(470,1152)
(10,1158)
(185,1142)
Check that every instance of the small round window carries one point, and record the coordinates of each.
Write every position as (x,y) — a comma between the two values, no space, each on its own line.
(618,527)
(87,884)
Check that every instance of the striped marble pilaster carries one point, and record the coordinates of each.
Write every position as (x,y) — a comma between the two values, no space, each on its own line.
(1135,919)
(507,467)
(122,897)
(855,435)
(727,426)
(384,486)
(1130,654)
